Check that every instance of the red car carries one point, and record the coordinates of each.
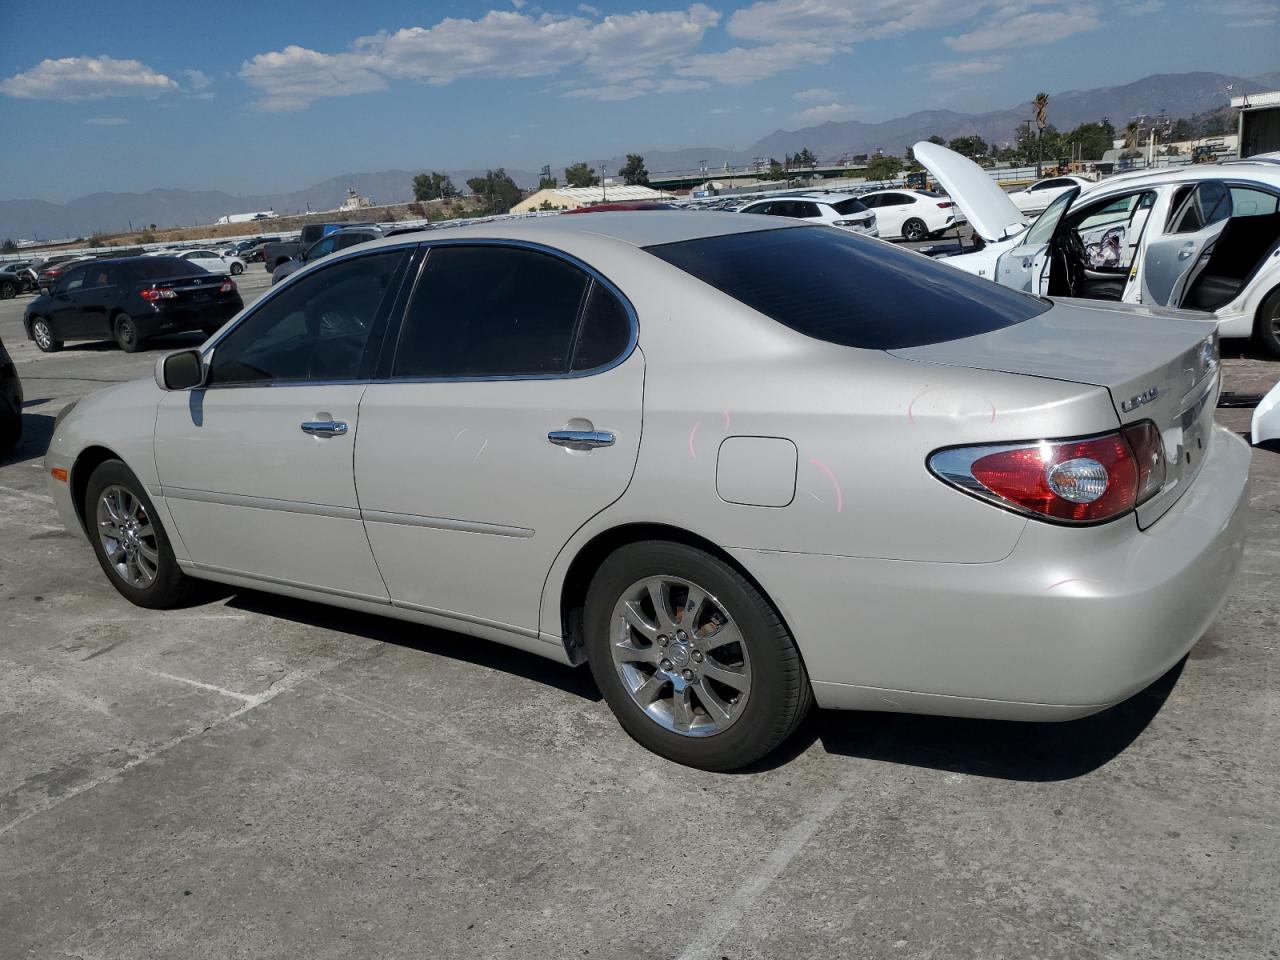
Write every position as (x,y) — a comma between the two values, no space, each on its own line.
(626,205)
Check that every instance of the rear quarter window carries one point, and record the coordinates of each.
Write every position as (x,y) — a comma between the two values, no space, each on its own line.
(850,290)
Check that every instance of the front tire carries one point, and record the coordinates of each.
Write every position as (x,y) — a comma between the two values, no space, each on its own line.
(694,662)
(1267,328)
(129,541)
(126,333)
(8,290)
(914,230)
(42,334)
(237,269)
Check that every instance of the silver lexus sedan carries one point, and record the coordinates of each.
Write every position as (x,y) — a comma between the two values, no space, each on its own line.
(737,465)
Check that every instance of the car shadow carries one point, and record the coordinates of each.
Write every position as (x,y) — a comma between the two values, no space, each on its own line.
(411,636)
(37,429)
(169,341)
(996,749)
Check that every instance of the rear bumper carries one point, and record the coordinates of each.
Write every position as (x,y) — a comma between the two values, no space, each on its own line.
(1073,621)
(179,319)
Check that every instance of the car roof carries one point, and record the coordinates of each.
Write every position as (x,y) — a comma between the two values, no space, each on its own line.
(637,228)
(1265,173)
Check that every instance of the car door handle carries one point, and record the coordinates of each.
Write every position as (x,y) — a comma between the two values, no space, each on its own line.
(324,428)
(1187,250)
(581,439)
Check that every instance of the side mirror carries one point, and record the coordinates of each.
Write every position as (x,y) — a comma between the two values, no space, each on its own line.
(180,371)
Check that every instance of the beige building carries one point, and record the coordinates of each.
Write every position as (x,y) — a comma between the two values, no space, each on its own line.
(571,198)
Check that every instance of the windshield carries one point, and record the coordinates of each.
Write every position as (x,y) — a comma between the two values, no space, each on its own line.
(850,290)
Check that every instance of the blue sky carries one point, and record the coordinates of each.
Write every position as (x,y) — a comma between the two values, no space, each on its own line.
(269,96)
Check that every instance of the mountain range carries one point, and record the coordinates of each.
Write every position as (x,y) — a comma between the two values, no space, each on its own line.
(1174,94)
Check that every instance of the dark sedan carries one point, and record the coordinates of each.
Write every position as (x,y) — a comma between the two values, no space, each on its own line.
(16,278)
(130,300)
(10,402)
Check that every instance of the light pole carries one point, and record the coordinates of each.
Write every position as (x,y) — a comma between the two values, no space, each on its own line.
(604,187)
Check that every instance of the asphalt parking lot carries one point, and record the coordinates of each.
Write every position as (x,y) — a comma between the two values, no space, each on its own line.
(260,777)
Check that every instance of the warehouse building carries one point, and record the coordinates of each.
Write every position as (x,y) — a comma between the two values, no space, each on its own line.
(571,198)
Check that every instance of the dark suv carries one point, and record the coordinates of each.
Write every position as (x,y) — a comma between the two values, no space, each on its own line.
(129,300)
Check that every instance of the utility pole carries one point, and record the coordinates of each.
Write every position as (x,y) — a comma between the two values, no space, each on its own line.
(604,187)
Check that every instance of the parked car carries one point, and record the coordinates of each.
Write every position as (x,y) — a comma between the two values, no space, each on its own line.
(53,268)
(1265,423)
(1195,237)
(250,250)
(864,479)
(835,210)
(1036,197)
(10,402)
(277,252)
(16,278)
(130,300)
(625,205)
(330,243)
(911,214)
(210,260)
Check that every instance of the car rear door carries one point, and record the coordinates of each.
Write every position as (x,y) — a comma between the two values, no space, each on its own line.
(1198,213)
(892,212)
(256,467)
(508,415)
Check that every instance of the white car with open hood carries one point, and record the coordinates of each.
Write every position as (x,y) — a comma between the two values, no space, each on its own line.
(1200,238)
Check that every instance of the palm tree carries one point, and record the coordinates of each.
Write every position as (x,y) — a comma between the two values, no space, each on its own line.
(1041,105)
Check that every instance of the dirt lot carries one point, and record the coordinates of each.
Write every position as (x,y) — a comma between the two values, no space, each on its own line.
(258,777)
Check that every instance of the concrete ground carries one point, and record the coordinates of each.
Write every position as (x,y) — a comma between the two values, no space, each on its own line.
(257,777)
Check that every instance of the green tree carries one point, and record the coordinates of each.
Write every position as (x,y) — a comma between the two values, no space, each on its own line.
(1089,141)
(633,171)
(938,140)
(498,193)
(547,183)
(883,168)
(9,246)
(805,158)
(1182,130)
(581,175)
(970,146)
(433,186)
(775,171)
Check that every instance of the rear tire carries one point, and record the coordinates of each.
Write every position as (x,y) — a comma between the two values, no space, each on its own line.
(914,230)
(1267,328)
(744,695)
(42,334)
(236,269)
(129,541)
(126,333)
(8,290)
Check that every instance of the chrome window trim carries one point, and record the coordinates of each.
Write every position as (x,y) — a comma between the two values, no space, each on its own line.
(632,317)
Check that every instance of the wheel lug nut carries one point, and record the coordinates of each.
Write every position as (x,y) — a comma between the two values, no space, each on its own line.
(687,674)
(663,639)
(681,636)
(697,656)
(733,700)
(665,665)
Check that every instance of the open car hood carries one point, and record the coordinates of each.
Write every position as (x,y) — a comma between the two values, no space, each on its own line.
(990,211)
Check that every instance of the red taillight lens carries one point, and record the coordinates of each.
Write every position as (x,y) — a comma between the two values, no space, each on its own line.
(944,204)
(1074,481)
(227,286)
(151,296)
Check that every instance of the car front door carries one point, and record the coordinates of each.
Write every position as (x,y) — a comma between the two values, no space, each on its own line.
(1198,212)
(65,315)
(507,417)
(1026,266)
(256,467)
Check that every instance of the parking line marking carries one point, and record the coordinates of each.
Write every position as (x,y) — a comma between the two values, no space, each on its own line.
(245,697)
(31,494)
(736,906)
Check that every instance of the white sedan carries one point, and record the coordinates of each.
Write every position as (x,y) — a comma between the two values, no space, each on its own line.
(211,260)
(911,214)
(1038,196)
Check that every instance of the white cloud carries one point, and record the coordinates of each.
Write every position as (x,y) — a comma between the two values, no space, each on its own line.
(518,4)
(643,87)
(1244,13)
(106,122)
(501,44)
(824,113)
(967,68)
(1008,28)
(197,79)
(841,22)
(86,78)
(817,93)
(295,76)
(1139,8)
(588,9)
(746,64)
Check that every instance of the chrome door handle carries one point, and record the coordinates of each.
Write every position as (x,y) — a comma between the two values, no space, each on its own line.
(324,428)
(581,439)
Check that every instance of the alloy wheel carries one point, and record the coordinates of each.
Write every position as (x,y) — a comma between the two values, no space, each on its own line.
(44,336)
(127,536)
(680,656)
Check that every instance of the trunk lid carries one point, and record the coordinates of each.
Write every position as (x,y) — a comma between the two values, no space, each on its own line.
(988,209)
(193,290)
(1159,365)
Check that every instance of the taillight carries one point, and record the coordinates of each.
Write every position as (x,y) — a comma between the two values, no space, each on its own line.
(227,286)
(849,223)
(944,204)
(1082,481)
(153,295)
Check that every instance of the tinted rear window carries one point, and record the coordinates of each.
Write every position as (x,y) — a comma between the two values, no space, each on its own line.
(853,205)
(848,289)
(164,268)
